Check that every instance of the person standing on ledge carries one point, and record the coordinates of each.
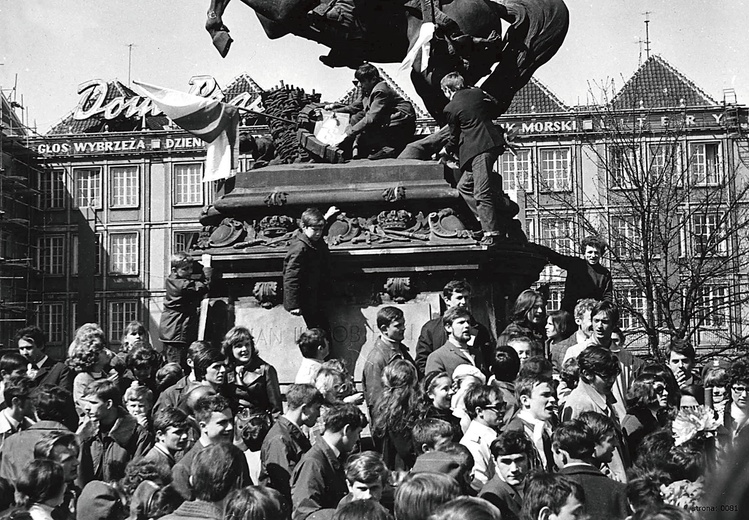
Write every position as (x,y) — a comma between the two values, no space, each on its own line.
(479,143)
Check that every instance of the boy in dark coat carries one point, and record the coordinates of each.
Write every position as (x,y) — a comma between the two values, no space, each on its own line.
(305,268)
(179,320)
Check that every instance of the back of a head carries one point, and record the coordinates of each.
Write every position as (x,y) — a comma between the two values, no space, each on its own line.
(575,438)
(506,364)
(52,402)
(428,431)
(452,81)
(535,366)
(597,360)
(40,480)
(100,501)
(207,405)
(367,467)
(256,503)
(20,387)
(344,415)
(299,395)
(362,509)
(548,490)
(216,471)
(421,493)
(467,508)
(367,72)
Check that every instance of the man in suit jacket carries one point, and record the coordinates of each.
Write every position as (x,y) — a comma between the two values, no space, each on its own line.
(42,370)
(574,446)
(511,452)
(433,334)
(478,143)
(457,350)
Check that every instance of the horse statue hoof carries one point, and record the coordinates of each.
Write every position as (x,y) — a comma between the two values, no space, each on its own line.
(222,42)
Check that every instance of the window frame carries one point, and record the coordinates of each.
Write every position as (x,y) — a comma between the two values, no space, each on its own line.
(715,247)
(717,163)
(51,184)
(515,161)
(54,331)
(115,332)
(58,260)
(175,184)
(113,255)
(78,188)
(133,201)
(562,244)
(614,161)
(544,186)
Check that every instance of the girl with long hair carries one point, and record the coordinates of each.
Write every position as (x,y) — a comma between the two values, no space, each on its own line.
(528,318)
(436,401)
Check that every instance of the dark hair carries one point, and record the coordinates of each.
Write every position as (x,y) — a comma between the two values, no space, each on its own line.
(32,334)
(104,390)
(524,386)
(681,346)
(665,511)
(479,396)
(653,452)
(6,495)
(562,321)
(367,467)
(45,447)
(140,469)
(575,438)
(524,303)
(462,455)
(428,384)
(570,373)
(510,443)
(641,392)
(506,363)
(548,490)
(738,372)
(687,462)
(51,403)
(600,425)
(593,241)
(397,408)
(421,493)
(143,357)
(17,387)
(299,395)
(12,361)
(535,366)
(342,415)
(388,315)
(217,470)
(597,360)
(159,501)
(367,71)
(454,313)
(455,286)
(361,509)
(643,492)
(207,405)
(39,480)
(256,503)
(310,341)
(168,375)
(236,336)
(609,309)
(204,358)
(427,431)
(467,508)
(312,216)
(169,416)
(665,373)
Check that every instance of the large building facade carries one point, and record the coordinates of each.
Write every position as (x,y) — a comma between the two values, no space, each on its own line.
(120,189)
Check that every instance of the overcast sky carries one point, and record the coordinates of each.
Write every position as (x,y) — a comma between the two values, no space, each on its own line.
(52,46)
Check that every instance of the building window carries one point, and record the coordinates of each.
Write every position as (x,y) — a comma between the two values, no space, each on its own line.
(52,188)
(557,234)
(52,254)
(623,166)
(49,318)
(76,254)
(712,307)
(123,253)
(184,240)
(664,158)
(88,187)
(626,241)
(555,299)
(125,186)
(555,169)
(120,314)
(516,170)
(188,185)
(705,163)
(708,233)
(635,304)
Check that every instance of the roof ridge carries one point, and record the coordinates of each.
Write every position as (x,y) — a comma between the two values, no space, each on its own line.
(546,90)
(420,114)
(246,76)
(685,79)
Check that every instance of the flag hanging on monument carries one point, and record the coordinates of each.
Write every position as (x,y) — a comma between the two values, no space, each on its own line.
(211,120)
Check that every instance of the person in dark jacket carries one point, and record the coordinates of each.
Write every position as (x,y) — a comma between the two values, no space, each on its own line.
(179,320)
(285,443)
(110,437)
(478,144)
(573,446)
(512,453)
(586,277)
(41,369)
(456,293)
(318,482)
(383,123)
(305,269)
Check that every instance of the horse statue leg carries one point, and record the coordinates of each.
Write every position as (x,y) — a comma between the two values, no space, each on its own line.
(216,28)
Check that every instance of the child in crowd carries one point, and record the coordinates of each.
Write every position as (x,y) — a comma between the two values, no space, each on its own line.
(179,319)
(512,452)
(134,332)
(421,493)
(548,495)
(430,434)
(315,348)
(306,269)
(171,427)
(366,476)
(139,403)
(11,364)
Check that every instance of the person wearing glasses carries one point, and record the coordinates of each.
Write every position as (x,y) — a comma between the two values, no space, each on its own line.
(736,415)
(599,369)
(647,409)
(486,409)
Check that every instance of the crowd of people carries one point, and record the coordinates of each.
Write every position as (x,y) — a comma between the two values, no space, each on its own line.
(553,419)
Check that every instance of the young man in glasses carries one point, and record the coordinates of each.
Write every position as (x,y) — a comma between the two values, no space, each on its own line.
(486,409)
(736,415)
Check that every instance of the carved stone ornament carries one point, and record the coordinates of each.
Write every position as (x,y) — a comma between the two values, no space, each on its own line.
(274,226)
(398,220)
(227,233)
(344,229)
(267,294)
(394,193)
(277,198)
(446,227)
(399,289)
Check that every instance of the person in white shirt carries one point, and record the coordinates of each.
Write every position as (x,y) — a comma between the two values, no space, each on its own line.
(486,409)
(314,346)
